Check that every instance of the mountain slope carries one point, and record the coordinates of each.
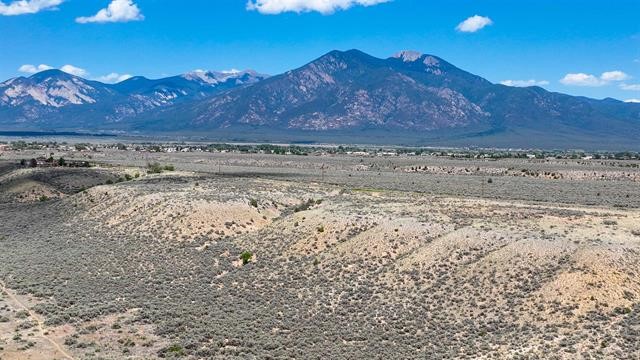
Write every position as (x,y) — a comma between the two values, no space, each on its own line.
(341,90)
(54,100)
(343,96)
(412,97)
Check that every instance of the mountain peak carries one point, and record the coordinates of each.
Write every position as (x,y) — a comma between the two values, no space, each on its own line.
(51,73)
(408,55)
(216,77)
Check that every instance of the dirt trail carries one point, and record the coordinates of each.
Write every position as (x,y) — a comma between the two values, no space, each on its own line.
(34,316)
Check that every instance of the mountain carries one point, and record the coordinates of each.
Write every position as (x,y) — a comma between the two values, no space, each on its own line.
(410,98)
(343,96)
(55,100)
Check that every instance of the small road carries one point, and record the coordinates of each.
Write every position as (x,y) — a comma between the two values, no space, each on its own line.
(34,316)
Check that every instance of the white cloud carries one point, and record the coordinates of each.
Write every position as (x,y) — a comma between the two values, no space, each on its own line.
(633,101)
(474,24)
(32,69)
(524,83)
(322,6)
(117,11)
(113,78)
(582,79)
(21,7)
(70,69)
(630,87)
(615,75)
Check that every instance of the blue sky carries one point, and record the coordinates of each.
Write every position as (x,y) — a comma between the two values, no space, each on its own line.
(588,47)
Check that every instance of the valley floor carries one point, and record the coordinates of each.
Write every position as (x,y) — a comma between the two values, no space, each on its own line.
(350,258)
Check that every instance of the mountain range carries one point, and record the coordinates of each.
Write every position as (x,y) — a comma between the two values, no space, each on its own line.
(343,96)
(55,100)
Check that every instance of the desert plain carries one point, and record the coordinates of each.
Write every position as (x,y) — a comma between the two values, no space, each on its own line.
(329,256)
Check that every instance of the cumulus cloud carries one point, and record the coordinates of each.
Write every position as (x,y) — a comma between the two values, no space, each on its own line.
(322,6)
(632,101)
(22,7)
(582,79)
(116,11)
(73,70)
(474,24)
(524,83)
(630,87)
(614,76)
(69,69)
(113,78)
(32,69)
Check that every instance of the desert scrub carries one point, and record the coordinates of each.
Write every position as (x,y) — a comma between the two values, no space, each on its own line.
(246,257)
(173,350)
(156,168)
(253,202)
(306,205)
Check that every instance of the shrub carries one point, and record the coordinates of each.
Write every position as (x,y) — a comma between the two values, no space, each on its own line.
(44,198)
(321,229)
(154,168)
(109,182)
(253,202)
(246,257)
(305,205)
(173,350)
(128,177)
